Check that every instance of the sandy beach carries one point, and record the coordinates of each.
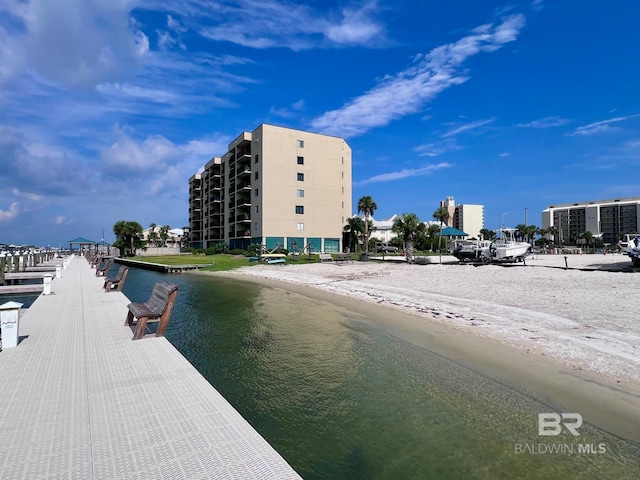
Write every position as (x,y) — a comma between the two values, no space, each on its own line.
(571,335)
(587,319)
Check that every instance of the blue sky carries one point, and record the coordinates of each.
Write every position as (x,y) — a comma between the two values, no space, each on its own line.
(107,107)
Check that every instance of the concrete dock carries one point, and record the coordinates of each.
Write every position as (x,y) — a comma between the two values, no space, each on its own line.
(80,400)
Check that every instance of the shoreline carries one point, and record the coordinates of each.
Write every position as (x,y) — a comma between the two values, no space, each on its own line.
(610,402)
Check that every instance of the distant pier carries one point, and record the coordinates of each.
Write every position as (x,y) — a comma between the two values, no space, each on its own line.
(159,267)
(29,266)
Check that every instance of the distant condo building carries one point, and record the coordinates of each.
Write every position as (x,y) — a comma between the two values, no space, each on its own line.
(468,218)
(277,187)
(608,219)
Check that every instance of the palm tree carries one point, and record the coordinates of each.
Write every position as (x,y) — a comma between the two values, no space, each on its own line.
(408,227)
(164,234)
(588,238)
(129,236)
(353,229)
(530,232)
(367,206)
(488,234)
(153,235)
(521,231)
(442,215)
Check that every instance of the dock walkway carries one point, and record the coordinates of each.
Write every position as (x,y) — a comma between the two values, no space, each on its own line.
(80,400)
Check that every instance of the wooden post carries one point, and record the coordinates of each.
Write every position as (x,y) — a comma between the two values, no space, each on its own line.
(2,264)
(566,265)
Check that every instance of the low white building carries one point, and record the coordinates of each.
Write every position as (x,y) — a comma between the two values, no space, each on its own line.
(155,245)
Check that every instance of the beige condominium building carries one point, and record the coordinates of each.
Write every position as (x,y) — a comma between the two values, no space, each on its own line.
(277,187)
(608,219)
(466,217)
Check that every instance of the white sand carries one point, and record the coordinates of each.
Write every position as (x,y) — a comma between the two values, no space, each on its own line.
(586,319)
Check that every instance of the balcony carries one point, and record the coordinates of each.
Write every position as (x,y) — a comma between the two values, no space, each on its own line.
(243,202)
(243,157)
(245,186)
(243,218)
(244,171)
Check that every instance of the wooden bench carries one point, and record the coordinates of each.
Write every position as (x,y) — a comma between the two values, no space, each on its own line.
(94,260)
(117,282)
(101,271)
(343,257)
(156,309)
(325,257)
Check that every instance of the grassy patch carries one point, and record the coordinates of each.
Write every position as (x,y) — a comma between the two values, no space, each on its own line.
(216,263)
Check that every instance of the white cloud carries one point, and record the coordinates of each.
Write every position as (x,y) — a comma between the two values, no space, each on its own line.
(599,127)
(72,42)
(356,28)
(29,196)
(404,173)
(438,148)
(546,122)
(467,127)
(135,92)
(406,92)
(154,153)
(11,213)
(288,25)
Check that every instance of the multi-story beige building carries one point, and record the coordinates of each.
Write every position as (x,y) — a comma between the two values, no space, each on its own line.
(275,186)
(608,219)
(466,217)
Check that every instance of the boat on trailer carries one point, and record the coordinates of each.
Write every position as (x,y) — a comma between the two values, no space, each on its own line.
(507,249)
(504,249)
(470,250)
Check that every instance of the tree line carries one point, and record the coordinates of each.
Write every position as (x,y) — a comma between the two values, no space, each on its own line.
(129,236)
(412,233)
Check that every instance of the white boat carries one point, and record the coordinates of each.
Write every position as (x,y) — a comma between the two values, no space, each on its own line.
(633,250)
(507,249)
(627,239)
(470,250)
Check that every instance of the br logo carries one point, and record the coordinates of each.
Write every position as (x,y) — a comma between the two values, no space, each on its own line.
(550,424)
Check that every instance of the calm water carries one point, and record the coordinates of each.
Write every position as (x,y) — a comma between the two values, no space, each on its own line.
(340,399)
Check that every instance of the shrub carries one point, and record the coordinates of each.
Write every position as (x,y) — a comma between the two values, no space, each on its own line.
(238,251)
(217,248)
(254,250)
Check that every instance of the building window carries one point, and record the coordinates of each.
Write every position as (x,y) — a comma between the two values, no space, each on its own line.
(301,177)
(255,226)
(257,209)
(300,143)
(300,209)
(300,226)
(300,193)
(256,176)
(300,160)
(256,159)
(256,192)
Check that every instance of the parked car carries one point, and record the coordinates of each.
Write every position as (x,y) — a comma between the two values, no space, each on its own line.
(386,247)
